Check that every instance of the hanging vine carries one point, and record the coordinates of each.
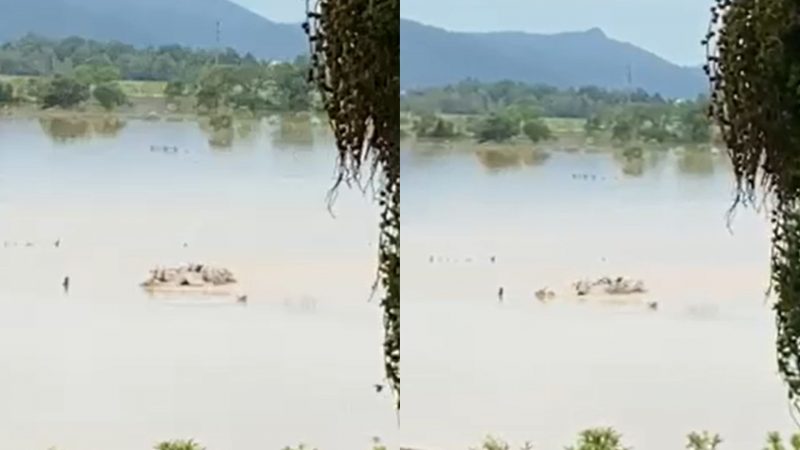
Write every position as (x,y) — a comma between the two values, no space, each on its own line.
(753,64)
(355,64)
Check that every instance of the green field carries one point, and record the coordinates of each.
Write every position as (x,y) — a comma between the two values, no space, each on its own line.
(132,88)
(149,89)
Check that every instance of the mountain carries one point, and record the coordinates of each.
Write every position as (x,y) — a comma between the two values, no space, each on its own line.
(431,56)
(154,22)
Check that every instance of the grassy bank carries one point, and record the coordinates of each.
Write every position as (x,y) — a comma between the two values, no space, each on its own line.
(132,88)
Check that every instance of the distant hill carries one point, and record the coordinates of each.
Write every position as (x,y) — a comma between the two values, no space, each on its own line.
(190,23)
(431,56)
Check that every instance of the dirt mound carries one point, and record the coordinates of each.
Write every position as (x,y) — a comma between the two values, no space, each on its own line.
(189,276)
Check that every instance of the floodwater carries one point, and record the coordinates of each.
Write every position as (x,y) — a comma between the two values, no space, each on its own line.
(526,370)
(107,366)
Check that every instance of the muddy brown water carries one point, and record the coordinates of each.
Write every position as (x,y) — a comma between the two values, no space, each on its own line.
(108,366)
(527,370)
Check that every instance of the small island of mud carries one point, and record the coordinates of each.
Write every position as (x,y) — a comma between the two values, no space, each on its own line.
(199,278)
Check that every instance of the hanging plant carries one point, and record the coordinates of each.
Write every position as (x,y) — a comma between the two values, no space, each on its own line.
(355,65)
(753,64)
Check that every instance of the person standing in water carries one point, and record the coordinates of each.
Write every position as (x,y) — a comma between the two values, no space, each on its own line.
(65,285)
(500,294)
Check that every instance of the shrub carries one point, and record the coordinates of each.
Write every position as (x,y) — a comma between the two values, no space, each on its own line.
(6,93)
(703,441)
(175,89)
(431,126)
(496,128)
(599,439)
(64,92)
(110,95)
(537,130)
(775,442)
(179,445)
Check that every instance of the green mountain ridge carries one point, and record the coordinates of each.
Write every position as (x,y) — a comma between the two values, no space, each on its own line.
(431,56)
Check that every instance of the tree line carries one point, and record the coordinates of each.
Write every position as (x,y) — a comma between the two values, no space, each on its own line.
(500,111)
(472,97)
(71,71)
(34,55)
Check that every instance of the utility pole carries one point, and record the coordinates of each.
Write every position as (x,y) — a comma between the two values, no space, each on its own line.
(630,83)
(630,78)
(219,49)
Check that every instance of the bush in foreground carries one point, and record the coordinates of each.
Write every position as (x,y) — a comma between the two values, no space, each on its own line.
(179,445)
(610,439)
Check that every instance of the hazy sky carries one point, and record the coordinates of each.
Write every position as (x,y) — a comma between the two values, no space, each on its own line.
(277,10)
(669,28)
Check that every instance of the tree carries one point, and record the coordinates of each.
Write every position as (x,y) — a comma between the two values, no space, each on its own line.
(292,86)
(537,130)
(6,93)
(695,124)
(356,68)
(164,67)
(93,62)
(110,95)
(34,89)
(593,124)
(432,126)
(753,64)
(496,128)
(655,132)
(622,130)
(175,88)
(64,92)
(90,74)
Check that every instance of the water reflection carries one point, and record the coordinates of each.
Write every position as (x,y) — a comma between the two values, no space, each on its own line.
(219,130)
(119,211)
(65,129)
(247,129)
(633,167)
(500,159)
(636,161)
(696,162)
(294,131)
(633,161)
(666,226)
(535,158)
(107,126)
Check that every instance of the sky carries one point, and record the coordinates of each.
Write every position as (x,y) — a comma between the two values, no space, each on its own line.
(671,29)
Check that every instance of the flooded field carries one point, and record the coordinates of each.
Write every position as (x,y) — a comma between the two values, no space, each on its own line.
(526,369)
(108,366)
